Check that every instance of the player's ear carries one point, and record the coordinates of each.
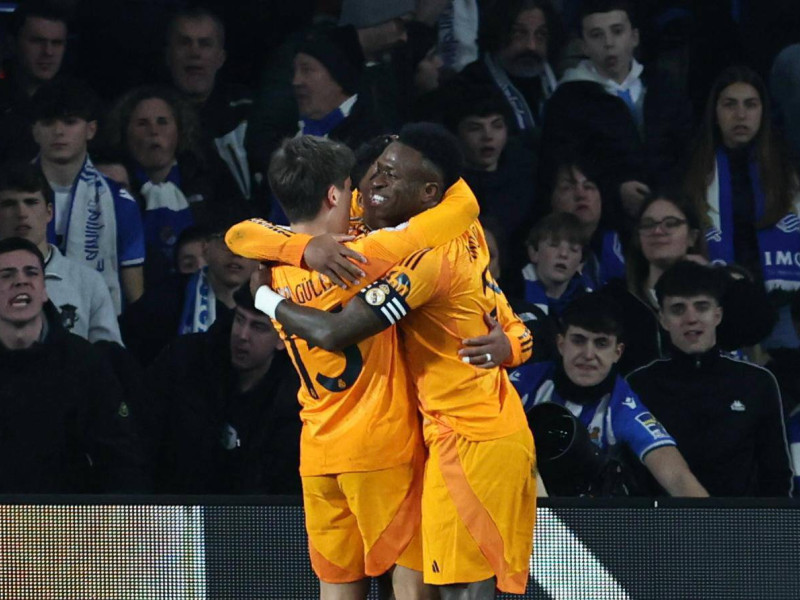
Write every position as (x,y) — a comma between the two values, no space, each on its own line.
(332,196)
(432,194)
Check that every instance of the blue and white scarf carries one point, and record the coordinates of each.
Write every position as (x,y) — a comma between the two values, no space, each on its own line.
(535,294)
(322,127)
(779,245)
(167,212)
(519,105)
(90,235)
(609,264)
(199,306)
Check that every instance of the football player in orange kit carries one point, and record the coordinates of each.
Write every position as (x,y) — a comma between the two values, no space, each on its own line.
(478,498)
(361,448)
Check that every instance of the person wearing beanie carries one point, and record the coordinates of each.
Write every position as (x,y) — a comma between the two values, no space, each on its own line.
(327,74)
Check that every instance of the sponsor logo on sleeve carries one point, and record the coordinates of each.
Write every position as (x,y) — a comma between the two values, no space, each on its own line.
(653,427)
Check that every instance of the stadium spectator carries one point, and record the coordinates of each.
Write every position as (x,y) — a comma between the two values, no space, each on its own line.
(78,293)
(520,41)
(413,92)
(222,410)
(190,250)
(543,327)
(667,232)
(585,380)
(575,190)
(68,427)
(96,221)
(39,36)
(746,187)
(783,363)
(499,170)
(327,74)
(612,109)
(468,436)
(114,166)
(725,414)
(159,134)
(553,278)
(784,87)
(195,53)
(183,304)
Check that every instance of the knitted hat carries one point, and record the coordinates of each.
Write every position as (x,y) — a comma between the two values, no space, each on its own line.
(340,53)
(367,13)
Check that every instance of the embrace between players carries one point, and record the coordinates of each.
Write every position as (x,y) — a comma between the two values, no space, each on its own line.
(416,458)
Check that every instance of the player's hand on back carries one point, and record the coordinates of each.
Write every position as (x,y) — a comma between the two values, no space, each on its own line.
(325,254)
(487,351)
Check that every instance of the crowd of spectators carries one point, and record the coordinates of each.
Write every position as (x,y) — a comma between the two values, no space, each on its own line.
(628,152)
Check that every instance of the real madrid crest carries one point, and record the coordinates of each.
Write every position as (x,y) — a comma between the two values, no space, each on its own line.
(375,296)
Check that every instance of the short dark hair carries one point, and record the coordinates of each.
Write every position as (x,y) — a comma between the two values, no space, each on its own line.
(301,171)
(193,233)
(687,278)
(595,312)
(244,298)
(557,227)
(474,100)
(25,177)
(591,7)
(366,155)
(195,13)
(439,148)
(573,159)
(13,244)
(636,265)
(43,9)
(62,98)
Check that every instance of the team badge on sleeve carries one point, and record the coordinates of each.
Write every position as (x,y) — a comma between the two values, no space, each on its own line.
(385,302)
(375,296)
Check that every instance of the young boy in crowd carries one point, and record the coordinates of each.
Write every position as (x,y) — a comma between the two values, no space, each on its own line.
(726,414)
(96,221)
(498,169)
(553,277)
(631,119)
(586,382)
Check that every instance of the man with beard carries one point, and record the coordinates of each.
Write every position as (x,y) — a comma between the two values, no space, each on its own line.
(519,42)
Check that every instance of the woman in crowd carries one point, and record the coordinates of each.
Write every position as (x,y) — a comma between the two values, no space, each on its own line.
(742,179)
(669,230)
(575,190)
(178,187)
